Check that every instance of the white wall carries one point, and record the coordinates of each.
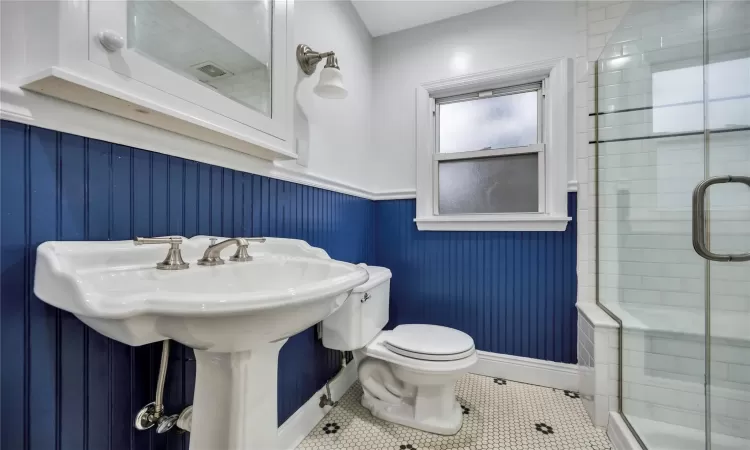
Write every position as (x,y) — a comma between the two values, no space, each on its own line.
(335,133)
(502,36)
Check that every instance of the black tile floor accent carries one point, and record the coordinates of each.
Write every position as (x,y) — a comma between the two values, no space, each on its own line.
(517,417)
(572,394)
(544,428)
(331,428)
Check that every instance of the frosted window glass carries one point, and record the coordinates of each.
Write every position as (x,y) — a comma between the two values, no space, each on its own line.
(488,123)
(498,184)
(678,97)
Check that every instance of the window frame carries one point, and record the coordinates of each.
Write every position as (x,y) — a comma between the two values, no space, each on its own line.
(555,140)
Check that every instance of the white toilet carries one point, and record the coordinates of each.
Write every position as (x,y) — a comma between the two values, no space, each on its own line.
(408,374)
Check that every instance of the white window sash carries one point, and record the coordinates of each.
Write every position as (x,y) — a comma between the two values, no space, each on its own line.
(538,87)
(501,92)
(534,148)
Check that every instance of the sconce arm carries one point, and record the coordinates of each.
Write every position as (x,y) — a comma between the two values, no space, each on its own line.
(308,58)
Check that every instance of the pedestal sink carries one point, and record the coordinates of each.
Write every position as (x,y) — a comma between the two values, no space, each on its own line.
(236,316)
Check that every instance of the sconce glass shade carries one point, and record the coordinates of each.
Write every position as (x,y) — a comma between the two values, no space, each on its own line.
(331,84)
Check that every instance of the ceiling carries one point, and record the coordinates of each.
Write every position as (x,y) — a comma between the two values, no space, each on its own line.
(387,16)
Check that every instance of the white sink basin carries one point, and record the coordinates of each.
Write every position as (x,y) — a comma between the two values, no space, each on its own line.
(115,288)
(237,316)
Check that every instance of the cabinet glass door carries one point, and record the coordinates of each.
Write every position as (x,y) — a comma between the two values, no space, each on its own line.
(222,45)
(225,56)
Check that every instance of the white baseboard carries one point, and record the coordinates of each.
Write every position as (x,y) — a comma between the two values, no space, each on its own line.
(619,434)
(527,370)
(304,420)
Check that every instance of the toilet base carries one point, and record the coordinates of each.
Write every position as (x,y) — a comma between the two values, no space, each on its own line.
(404,414)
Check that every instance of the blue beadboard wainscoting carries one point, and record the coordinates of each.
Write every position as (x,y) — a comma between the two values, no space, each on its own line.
(67,387)
(513,292)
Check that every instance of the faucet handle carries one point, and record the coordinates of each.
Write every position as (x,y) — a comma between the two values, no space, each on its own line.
(174,260)
(158,240)
(241,254)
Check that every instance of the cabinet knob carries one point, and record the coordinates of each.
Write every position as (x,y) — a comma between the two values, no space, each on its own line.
(111,41)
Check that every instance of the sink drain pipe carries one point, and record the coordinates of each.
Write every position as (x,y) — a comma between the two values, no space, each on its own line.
(153,413)
(159,402)
(327,399)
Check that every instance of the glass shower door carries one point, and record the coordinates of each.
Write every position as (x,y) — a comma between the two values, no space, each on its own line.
(672,140)
(726,233)
(651,153)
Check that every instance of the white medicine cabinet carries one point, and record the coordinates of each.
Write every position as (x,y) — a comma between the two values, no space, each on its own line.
(222,71)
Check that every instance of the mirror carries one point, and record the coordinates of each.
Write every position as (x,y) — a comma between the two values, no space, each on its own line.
(224,45)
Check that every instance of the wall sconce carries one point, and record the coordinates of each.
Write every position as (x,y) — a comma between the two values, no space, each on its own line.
(331,83)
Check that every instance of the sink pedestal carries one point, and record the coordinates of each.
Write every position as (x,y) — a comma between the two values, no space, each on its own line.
(235,399)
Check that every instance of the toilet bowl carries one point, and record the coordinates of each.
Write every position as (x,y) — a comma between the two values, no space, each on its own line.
(413,388)
(408,374)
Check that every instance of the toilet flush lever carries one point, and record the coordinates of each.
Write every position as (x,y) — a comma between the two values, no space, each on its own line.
(365,297)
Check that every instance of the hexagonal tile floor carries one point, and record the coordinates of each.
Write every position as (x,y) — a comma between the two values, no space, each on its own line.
(498,414)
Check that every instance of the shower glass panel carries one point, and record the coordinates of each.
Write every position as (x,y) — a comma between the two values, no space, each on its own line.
(671,109)
(727,73)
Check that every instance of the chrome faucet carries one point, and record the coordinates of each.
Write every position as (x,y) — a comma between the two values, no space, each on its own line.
(212,255)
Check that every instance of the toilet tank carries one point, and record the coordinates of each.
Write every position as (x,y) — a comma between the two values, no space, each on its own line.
(362,316)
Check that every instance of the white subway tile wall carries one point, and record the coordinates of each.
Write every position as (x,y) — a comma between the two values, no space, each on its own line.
(663,376)
(597,353)
(586,373)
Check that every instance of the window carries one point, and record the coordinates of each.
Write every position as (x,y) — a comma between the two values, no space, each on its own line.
(677,97)
(492,150)
(487,146)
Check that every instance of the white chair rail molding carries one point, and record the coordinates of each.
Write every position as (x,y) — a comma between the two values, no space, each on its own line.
(492,149)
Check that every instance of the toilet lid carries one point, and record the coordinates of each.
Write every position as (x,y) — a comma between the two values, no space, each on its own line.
(429,342)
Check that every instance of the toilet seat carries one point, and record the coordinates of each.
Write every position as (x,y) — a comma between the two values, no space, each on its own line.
(429,342)
(377,349)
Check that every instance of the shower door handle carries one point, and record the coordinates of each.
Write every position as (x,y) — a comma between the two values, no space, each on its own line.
(699,218)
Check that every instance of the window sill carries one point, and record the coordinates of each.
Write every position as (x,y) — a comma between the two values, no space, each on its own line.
(510,223)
